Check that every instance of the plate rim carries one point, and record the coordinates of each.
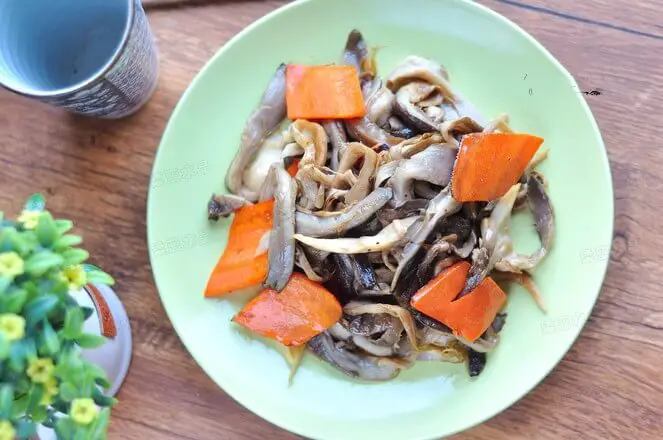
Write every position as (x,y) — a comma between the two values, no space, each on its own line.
(472,422)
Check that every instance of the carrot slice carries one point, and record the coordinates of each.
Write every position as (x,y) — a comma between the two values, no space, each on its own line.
(434,297)
(472,314)
(323,92)
(468,316)
(242,264)
(294,167)
(302,310)
(488,164)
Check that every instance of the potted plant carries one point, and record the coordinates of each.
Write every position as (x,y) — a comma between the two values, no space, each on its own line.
(45,378)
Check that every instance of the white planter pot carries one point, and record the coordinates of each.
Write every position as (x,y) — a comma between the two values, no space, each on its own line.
(108,319)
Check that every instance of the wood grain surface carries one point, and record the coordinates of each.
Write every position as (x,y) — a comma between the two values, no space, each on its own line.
(609,386)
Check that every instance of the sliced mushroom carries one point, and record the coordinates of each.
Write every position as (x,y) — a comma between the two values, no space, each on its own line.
(496,242)
(385,172)
(486,343)
(360,308)
(413,116)
(357,54)
(453,130)
(342,284)
(425,190)
(385,275)
(410,208)
(416,68)
(499,124)
(380,105)
(270,152)
(442,206)
(264,120)
(539,158)
(222,205)
(314,226)
(544,220)
(367,130)
(353,152)
(365,278)
(372,226)
(390,330)
(383,329)
(465,250)
(291,150)
(542,210)
(311,137)
(370,133)
(412,146)
(386,239)
(525,280)
(453,354)
(441,247)
(435,114)
(360,366)
(301,260)
(396,127)
(337,137)
(309,189)
(434,165)
(431,336)
(281,254)
(445,263)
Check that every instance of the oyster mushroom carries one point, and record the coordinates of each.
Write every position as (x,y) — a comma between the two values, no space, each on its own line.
(357,365)
(337,138)
(357,54)
(413,116)
(352,153)
(265,119)
(442,206)
(434,165)
(384,240)
(311,137)
(311,225)
(281,253)
(222,205)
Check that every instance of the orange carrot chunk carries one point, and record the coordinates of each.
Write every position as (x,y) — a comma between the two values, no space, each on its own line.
(242,264)
(488,164)
(441,290)
(468,316)
(323,92)
(302,310)
(294,167)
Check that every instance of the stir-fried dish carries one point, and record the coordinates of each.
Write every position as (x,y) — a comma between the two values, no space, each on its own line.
(375,212)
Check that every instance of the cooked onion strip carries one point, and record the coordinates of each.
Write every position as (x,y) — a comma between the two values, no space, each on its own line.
(384,240)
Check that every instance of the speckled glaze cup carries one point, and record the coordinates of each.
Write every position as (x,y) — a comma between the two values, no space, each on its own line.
(92,57)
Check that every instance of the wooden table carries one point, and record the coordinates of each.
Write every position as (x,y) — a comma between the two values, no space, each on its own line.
(610,385)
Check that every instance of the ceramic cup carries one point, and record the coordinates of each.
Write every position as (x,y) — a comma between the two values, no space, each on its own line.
(92,57)
(109,319)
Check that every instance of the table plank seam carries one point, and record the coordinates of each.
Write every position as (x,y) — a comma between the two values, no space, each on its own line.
(567,16)
(152,427)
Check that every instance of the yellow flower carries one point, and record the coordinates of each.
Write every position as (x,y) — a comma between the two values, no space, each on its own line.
(41,370)
(29,218)
(7,431)
(12,326)
(11,264)
(75,276)
(50,390)
(83,411)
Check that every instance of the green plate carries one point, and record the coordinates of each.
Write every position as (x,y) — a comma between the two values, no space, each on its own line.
(499,68)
